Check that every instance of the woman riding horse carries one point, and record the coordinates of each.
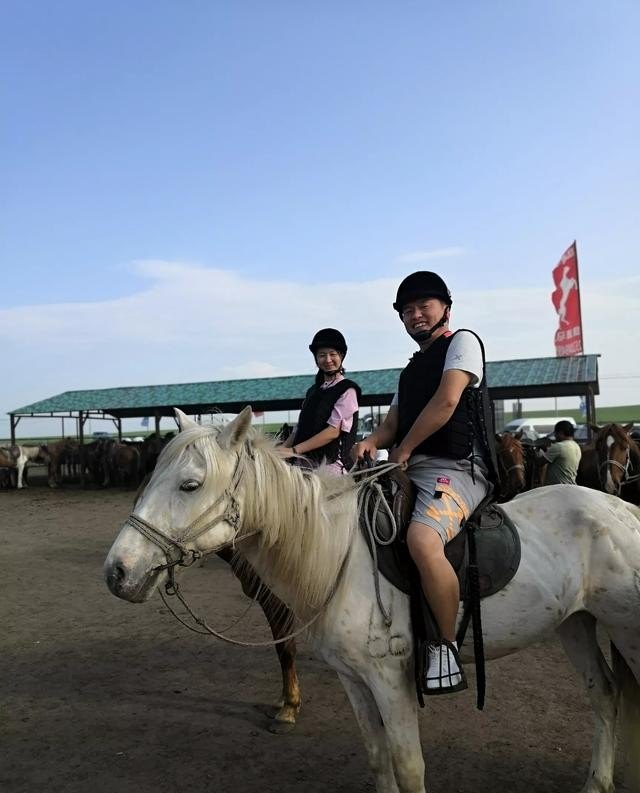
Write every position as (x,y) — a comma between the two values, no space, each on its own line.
(328,420)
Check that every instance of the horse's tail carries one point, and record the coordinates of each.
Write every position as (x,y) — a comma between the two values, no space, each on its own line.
(629,715)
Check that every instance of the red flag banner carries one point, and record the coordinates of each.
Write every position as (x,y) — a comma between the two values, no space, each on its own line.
(566,300)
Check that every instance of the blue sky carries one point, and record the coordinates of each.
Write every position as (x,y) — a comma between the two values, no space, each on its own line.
(313,146)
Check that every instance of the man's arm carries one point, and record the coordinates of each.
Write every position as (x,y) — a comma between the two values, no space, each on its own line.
(384,435)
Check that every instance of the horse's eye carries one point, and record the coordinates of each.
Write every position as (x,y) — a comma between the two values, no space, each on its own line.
(189,485)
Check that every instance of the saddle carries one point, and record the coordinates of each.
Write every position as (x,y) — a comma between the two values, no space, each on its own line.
(485,556)
(497,540)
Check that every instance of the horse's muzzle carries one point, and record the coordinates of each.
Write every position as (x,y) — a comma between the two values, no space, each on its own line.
(127,583)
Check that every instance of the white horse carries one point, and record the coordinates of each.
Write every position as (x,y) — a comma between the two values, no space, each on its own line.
(19,457)
(580,566)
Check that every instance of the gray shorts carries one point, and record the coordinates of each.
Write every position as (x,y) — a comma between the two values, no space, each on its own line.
(446,492)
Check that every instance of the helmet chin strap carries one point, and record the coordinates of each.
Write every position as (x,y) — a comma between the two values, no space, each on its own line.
(424,335)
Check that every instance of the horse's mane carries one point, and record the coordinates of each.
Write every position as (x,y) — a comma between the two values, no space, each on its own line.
(308,517)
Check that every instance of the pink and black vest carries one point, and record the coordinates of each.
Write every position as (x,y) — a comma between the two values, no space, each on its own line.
(314,416)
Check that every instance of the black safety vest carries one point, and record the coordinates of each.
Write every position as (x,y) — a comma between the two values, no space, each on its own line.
(472,419)
(314,416)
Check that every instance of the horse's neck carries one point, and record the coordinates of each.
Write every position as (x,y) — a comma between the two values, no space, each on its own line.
(303,541)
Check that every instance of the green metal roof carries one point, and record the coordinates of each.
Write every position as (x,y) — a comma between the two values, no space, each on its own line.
(507,379)
(543,377)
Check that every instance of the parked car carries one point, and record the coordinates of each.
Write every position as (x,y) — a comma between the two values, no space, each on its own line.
(535,428)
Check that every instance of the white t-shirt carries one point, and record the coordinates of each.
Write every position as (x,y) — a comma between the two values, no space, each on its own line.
(464,353)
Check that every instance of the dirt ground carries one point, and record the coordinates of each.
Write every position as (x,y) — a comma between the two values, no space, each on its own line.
(99,695)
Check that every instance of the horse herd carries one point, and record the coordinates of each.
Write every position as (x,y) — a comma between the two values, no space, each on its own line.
(611,463)
(105,462)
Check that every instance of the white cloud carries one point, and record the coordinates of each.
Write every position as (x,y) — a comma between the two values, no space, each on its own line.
(193,323)
(418,257)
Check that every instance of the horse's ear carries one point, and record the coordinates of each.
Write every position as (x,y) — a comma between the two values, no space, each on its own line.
(183,420)
(595,428)
(235,432)
(518,435)
(628,427)
(498,437)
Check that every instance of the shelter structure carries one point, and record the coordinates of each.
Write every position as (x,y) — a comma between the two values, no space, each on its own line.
(527,378)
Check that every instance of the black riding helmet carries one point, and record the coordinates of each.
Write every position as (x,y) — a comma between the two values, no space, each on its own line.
(421,285)
(330,338)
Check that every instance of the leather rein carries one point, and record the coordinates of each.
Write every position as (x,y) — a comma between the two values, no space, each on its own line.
(178,554)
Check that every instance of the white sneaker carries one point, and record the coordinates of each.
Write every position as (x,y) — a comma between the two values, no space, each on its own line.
(443,672)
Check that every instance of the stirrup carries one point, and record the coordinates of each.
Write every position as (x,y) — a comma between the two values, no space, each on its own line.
(444,673)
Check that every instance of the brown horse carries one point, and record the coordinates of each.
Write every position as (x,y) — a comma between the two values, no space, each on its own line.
(60,452)
(511,464)
(281,621)
(521,467)
(609,462)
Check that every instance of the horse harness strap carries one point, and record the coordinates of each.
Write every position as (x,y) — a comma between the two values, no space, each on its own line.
(624,468)
(206,629)
(187,556)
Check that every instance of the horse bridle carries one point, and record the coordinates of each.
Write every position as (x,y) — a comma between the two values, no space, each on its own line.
(624,468)
(514,467)
(175,548)
(187,556)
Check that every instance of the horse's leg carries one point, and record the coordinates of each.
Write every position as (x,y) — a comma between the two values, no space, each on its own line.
(20,464)
(395,697)
(280,620)
(578,635)
(373,733)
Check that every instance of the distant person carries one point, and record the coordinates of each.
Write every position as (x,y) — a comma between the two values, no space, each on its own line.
(328,419)
(563,456)
(284,432)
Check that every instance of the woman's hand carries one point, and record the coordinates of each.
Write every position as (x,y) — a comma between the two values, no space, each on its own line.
(286,451)
(366,446)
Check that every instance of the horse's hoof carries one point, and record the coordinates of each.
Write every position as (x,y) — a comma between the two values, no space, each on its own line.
(272,711)
(281,727)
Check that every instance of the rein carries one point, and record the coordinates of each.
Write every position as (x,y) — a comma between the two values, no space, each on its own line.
(179,555)
(370,492)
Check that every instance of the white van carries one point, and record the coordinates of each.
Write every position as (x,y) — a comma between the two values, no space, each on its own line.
(535,428)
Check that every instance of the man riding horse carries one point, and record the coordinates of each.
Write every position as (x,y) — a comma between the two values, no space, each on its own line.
(440,428)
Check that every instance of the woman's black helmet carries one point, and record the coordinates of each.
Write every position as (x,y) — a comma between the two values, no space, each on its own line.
(330,338)
(419,286)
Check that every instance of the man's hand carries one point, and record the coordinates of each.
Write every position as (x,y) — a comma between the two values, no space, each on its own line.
(399,455)
(366,446)
(285,451)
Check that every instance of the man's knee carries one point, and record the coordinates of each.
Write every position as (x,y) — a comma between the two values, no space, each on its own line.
(424,542)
